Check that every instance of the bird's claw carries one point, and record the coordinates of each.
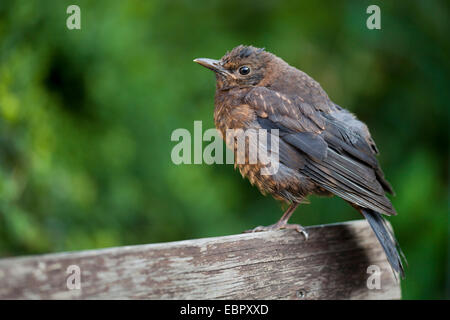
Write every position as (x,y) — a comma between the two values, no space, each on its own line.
(273,227)
(298,228)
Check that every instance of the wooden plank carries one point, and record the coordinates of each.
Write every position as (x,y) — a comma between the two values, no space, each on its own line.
(332,264)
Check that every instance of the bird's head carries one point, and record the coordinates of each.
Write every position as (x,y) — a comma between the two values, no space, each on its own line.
(244,66)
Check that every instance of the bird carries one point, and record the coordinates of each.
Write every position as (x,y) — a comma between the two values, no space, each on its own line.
(323,149)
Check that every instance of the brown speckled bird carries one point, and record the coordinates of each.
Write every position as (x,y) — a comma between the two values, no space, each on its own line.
(323,148)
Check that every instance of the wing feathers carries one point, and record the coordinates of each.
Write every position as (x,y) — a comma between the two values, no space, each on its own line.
(336,149)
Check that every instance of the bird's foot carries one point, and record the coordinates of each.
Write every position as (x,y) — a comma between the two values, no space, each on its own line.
(279,226)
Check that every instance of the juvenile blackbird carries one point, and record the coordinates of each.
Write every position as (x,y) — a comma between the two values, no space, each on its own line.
(323,149)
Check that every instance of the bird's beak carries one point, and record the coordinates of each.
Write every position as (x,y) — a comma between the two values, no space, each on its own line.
(213,65)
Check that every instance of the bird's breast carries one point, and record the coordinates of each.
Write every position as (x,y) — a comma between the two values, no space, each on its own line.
(232,113)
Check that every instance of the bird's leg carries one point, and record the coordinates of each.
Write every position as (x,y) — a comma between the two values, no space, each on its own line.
(282,223)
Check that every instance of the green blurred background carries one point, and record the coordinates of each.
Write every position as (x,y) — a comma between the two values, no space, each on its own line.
(86,118)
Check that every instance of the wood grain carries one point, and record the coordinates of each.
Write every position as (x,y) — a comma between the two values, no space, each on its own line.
(332,264)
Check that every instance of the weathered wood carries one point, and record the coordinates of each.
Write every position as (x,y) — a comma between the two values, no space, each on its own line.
(332,264)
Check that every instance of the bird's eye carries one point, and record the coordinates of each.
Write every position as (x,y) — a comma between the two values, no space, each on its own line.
(244,70)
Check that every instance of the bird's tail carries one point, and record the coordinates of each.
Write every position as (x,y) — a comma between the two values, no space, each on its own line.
(387,240)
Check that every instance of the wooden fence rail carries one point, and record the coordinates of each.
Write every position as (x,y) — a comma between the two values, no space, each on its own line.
(332,264)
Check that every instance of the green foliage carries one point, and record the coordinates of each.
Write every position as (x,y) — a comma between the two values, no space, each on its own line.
(86,118)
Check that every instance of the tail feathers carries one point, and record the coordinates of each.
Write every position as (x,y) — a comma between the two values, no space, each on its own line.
(387,240)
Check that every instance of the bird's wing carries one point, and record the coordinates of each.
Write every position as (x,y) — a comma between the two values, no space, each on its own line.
(339,153)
